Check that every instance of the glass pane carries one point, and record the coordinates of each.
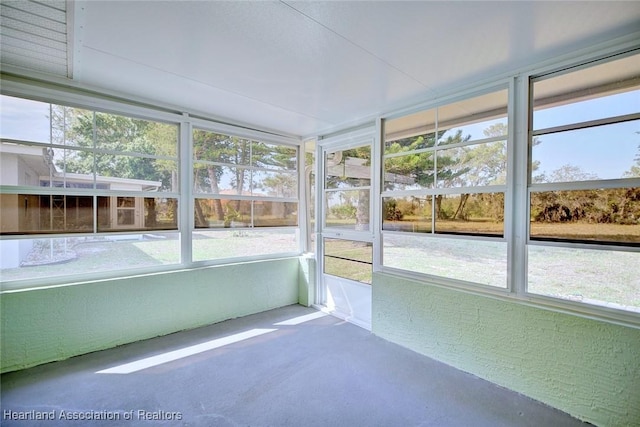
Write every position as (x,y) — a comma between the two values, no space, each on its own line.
(216,147)
(126,202)
(35,258)
(35,214)
(72,126)
(605,90)
(310,183)
(611,215)
(72,169)
(275,214)
(472,131)
(222,213)
(347,209)
(412,214)
(125,217)
(607,278)
(129,135)
(23,165)
(349,259)
(411,143)
(24,120)
(274,184)
(117,213)
(206,178)
(451,167)
(590,109)
(473,165)
(224,244)
(603,152)
(348,168)
(127,173)
(473,118)
(469,260)
(209,145)
(411,132)
(274,156)
(481,213)
(410,172)
(211,179)
(162,139)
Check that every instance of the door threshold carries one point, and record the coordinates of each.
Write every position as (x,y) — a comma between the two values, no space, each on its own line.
(343,316)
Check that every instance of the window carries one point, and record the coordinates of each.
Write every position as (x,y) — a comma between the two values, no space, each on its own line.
(245,197)
(444,186)
(349,259)
(584,184)
(72,178)
(347,188)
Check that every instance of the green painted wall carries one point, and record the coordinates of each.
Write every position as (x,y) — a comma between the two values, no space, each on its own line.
(587,368)
(48,324)
(307,280)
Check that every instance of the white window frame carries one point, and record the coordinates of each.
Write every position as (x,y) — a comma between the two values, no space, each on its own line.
(506,189)
(517,193)
(583,308)
(86,98)
(252,136)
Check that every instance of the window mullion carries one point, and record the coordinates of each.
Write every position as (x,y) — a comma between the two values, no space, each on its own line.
(517,211)
(375,198)
(186,220)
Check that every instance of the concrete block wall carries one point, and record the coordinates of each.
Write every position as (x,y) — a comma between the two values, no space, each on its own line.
(48,324)
(587,368)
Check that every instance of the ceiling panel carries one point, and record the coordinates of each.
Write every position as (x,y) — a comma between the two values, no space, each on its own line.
(445,44)
(265,52)
(150,83)
(305,67)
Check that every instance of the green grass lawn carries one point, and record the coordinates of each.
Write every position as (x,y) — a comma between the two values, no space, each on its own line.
(103,254)
(594,276)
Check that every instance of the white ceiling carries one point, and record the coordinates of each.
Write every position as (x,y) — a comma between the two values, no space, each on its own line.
(303,68)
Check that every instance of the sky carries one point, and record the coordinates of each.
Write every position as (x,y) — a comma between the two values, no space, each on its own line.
(607,151)
(24,119)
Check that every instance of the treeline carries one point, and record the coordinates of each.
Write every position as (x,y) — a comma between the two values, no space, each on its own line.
(610,206)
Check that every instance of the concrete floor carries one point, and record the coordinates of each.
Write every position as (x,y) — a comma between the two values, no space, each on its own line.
(322,372)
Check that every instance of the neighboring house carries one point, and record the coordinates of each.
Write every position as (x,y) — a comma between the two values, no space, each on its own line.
(32,166)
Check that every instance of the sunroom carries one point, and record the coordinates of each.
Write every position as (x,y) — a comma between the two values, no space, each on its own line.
(461,179)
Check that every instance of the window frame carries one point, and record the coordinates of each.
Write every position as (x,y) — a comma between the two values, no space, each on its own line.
(597,308)
(100,102)
(506,189)
(517,206)
(64,98)
(576,185)
(251,136)
(516,196)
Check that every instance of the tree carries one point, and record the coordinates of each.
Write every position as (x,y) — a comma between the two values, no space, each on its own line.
(276,158)
(223,160)
(114,134)
(484,164)
(416,168)
(569,173)
(419,168)
(634,170)
(214,147)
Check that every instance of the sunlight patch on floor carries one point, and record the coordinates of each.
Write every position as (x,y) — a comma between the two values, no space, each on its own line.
(149,362)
